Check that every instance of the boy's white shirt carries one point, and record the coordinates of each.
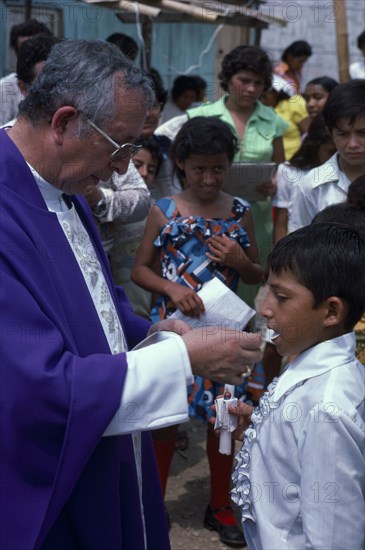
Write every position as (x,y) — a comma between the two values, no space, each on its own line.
(327,184)
(306,459)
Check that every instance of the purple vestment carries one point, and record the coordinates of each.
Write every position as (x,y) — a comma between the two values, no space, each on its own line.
(61,485)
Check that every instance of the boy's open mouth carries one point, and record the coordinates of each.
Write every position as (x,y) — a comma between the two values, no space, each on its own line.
(274,334)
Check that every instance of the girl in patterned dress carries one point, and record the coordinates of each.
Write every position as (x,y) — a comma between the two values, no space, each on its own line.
(190,238)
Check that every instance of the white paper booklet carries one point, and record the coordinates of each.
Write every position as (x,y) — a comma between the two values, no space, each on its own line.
(222,307)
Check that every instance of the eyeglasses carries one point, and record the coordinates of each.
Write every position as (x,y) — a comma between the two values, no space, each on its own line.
(121,151)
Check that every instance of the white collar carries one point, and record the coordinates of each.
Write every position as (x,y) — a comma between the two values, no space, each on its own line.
(47,190)
(53,197)
(316,361)
(330,172)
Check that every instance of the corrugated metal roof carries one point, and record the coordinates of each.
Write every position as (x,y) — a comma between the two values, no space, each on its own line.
(201,11)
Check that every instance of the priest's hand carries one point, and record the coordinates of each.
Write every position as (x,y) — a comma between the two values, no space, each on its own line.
(171,325)
(222,354)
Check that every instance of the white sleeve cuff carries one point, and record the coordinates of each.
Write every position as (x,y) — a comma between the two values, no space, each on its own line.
(154,393)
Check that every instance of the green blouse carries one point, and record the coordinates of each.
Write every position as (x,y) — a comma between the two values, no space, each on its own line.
(263,126)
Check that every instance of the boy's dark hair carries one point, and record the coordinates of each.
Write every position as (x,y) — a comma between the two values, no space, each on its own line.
(345,101)
(125,43)
(203,135)
(202,83)
(246,58)
(297,49)
(28,28)
(326,82)
(328,259)
(183,83)
(361,40)
(31,52)
(307,156)
(343,213)
(153,147)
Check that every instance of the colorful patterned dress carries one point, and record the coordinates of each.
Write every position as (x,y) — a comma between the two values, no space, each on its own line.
(182,245)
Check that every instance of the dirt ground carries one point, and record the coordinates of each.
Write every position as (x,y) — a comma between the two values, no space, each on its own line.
(188,494)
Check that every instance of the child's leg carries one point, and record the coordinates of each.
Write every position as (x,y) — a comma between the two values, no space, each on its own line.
(164,441)
(220,472)
(219,514)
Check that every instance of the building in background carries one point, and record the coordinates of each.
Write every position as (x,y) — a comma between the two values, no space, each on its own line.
(182,47)
(314,22)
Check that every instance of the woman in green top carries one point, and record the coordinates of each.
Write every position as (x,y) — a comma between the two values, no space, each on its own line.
(245,74)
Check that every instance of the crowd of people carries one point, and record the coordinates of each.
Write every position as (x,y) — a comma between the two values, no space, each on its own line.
(114,216)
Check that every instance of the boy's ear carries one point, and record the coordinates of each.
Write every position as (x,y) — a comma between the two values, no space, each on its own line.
(336,311)
(180,164)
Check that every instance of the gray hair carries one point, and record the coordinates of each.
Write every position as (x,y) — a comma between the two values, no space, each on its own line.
(86,74)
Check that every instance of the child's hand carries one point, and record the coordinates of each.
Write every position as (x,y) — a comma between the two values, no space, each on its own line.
(243,413)
(186,300)
(93,195)
(225,251)
(268,188)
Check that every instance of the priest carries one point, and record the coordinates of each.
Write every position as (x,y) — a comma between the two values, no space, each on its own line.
(76,465)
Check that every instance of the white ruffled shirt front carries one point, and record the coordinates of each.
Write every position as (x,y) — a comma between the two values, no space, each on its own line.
(300,474)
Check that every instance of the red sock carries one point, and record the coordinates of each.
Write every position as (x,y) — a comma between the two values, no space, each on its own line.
(220,479)
(164,451)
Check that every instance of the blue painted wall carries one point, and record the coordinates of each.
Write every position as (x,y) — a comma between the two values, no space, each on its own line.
(175,47)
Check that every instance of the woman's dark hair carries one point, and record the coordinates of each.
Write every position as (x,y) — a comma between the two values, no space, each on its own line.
(153,147)
(158,87)
(326,82)
(203,136)
(297,49)
(327,259)
(345,101)
(27,29)
(183,83)
(246,58)
(307,155)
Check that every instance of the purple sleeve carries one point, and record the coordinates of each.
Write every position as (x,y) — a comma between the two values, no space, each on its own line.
(135,328)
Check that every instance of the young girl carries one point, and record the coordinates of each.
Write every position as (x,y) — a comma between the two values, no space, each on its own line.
(190,238)
(292,60)
(316,94)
